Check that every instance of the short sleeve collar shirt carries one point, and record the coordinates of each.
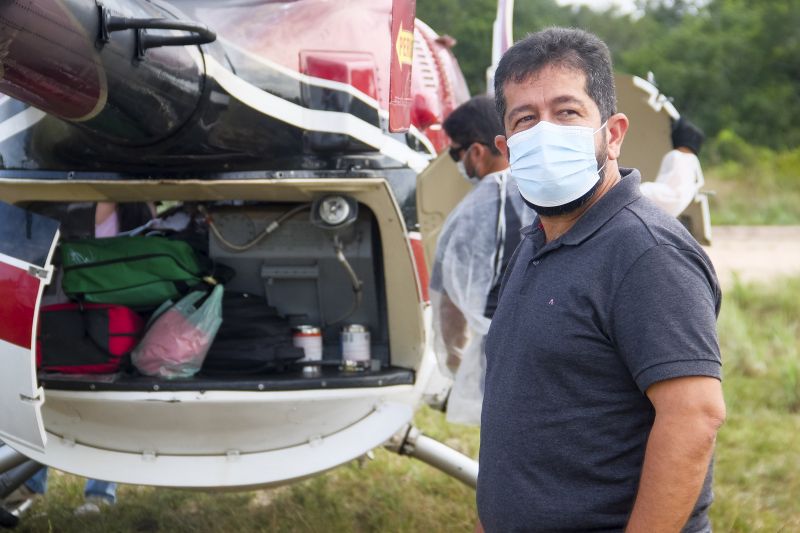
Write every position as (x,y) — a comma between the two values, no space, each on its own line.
(585,324)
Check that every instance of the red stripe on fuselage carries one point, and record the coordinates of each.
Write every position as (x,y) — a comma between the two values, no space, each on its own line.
(422,268)
(18,293)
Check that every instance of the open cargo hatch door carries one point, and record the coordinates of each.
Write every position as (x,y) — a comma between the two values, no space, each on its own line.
(26,248)
(440,187)
(648,140)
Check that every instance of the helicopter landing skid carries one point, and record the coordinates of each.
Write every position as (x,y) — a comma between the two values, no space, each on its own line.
(411,441)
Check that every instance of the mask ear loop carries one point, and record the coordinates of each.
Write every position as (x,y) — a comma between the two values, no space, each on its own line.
(603,125)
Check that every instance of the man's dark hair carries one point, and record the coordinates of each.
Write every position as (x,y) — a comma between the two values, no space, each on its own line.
(565,47)
(475,121)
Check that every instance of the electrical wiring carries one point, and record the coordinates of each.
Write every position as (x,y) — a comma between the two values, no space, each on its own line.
(271,227)
(357,283)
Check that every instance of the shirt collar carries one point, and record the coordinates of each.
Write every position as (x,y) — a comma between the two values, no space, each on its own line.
(612,202)
(497,175)
(622,194)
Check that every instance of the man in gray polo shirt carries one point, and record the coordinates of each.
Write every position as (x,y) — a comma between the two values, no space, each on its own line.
(603,396)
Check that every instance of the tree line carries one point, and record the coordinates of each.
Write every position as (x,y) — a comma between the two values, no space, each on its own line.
(731,66)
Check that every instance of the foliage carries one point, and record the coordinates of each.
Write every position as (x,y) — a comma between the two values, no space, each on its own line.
(728,64)
(471,24)
(733,65)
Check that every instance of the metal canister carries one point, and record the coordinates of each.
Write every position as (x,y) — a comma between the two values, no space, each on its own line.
(309,338)
(356,344)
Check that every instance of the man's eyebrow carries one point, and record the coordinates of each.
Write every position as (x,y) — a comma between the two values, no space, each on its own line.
(568,99)
(558,100)
(520,109)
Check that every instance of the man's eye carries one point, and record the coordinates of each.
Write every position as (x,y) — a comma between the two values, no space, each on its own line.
(567,112)
(525,119)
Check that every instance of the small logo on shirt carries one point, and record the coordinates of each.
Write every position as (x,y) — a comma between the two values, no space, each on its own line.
(552,301)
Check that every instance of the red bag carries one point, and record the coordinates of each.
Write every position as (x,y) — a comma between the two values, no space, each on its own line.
(86,338)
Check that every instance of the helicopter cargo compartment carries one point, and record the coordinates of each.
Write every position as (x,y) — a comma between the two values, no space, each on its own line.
(298,267)
(297,271)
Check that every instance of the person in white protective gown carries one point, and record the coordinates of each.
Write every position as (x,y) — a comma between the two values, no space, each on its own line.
(476,243)
(680,176)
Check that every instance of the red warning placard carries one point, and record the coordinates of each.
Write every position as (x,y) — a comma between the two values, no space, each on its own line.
(403,14)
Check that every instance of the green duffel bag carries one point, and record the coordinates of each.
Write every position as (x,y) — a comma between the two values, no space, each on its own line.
(136,272)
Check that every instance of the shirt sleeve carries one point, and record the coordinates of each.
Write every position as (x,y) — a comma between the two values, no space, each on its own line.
(663,317)
(436,282)
(463,265)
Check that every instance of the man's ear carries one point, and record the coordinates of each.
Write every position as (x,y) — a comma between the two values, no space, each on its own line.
(617,127)
(500,143)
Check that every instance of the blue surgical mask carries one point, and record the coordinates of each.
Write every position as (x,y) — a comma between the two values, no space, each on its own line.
(462,169)
(552,164)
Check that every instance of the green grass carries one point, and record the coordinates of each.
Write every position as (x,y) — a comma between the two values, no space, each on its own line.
(389,493)
(753,185)
(757,470)
(739,199)
(757,482)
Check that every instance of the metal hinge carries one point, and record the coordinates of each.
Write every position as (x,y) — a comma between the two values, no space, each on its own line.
(31,399)
(42,273)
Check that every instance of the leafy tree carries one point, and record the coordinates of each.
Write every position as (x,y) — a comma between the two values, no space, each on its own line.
(470,23)
(728,64)
(735,64)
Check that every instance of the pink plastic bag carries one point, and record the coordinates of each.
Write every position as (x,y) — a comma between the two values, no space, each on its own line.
(177,341)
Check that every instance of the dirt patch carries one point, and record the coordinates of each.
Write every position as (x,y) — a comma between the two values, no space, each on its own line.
(755,253)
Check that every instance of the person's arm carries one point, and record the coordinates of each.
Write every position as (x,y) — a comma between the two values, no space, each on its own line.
(465,273)
(689,411)
(676,184)
(103,210)
(454,331)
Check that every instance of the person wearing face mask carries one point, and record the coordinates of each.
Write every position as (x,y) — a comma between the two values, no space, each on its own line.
(602,395)
(680,176)
(477,239)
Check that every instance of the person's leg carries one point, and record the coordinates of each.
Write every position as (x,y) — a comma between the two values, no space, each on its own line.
(96,494)
(38,482)
(95,488)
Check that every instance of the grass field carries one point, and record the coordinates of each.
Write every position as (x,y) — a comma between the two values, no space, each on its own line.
(757,473)
(752,185)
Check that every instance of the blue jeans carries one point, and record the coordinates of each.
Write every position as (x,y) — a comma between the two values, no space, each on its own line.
(94,488)
(100,489)
(38,482)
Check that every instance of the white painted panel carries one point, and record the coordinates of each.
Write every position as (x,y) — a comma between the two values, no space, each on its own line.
(233,469)
(20,400)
